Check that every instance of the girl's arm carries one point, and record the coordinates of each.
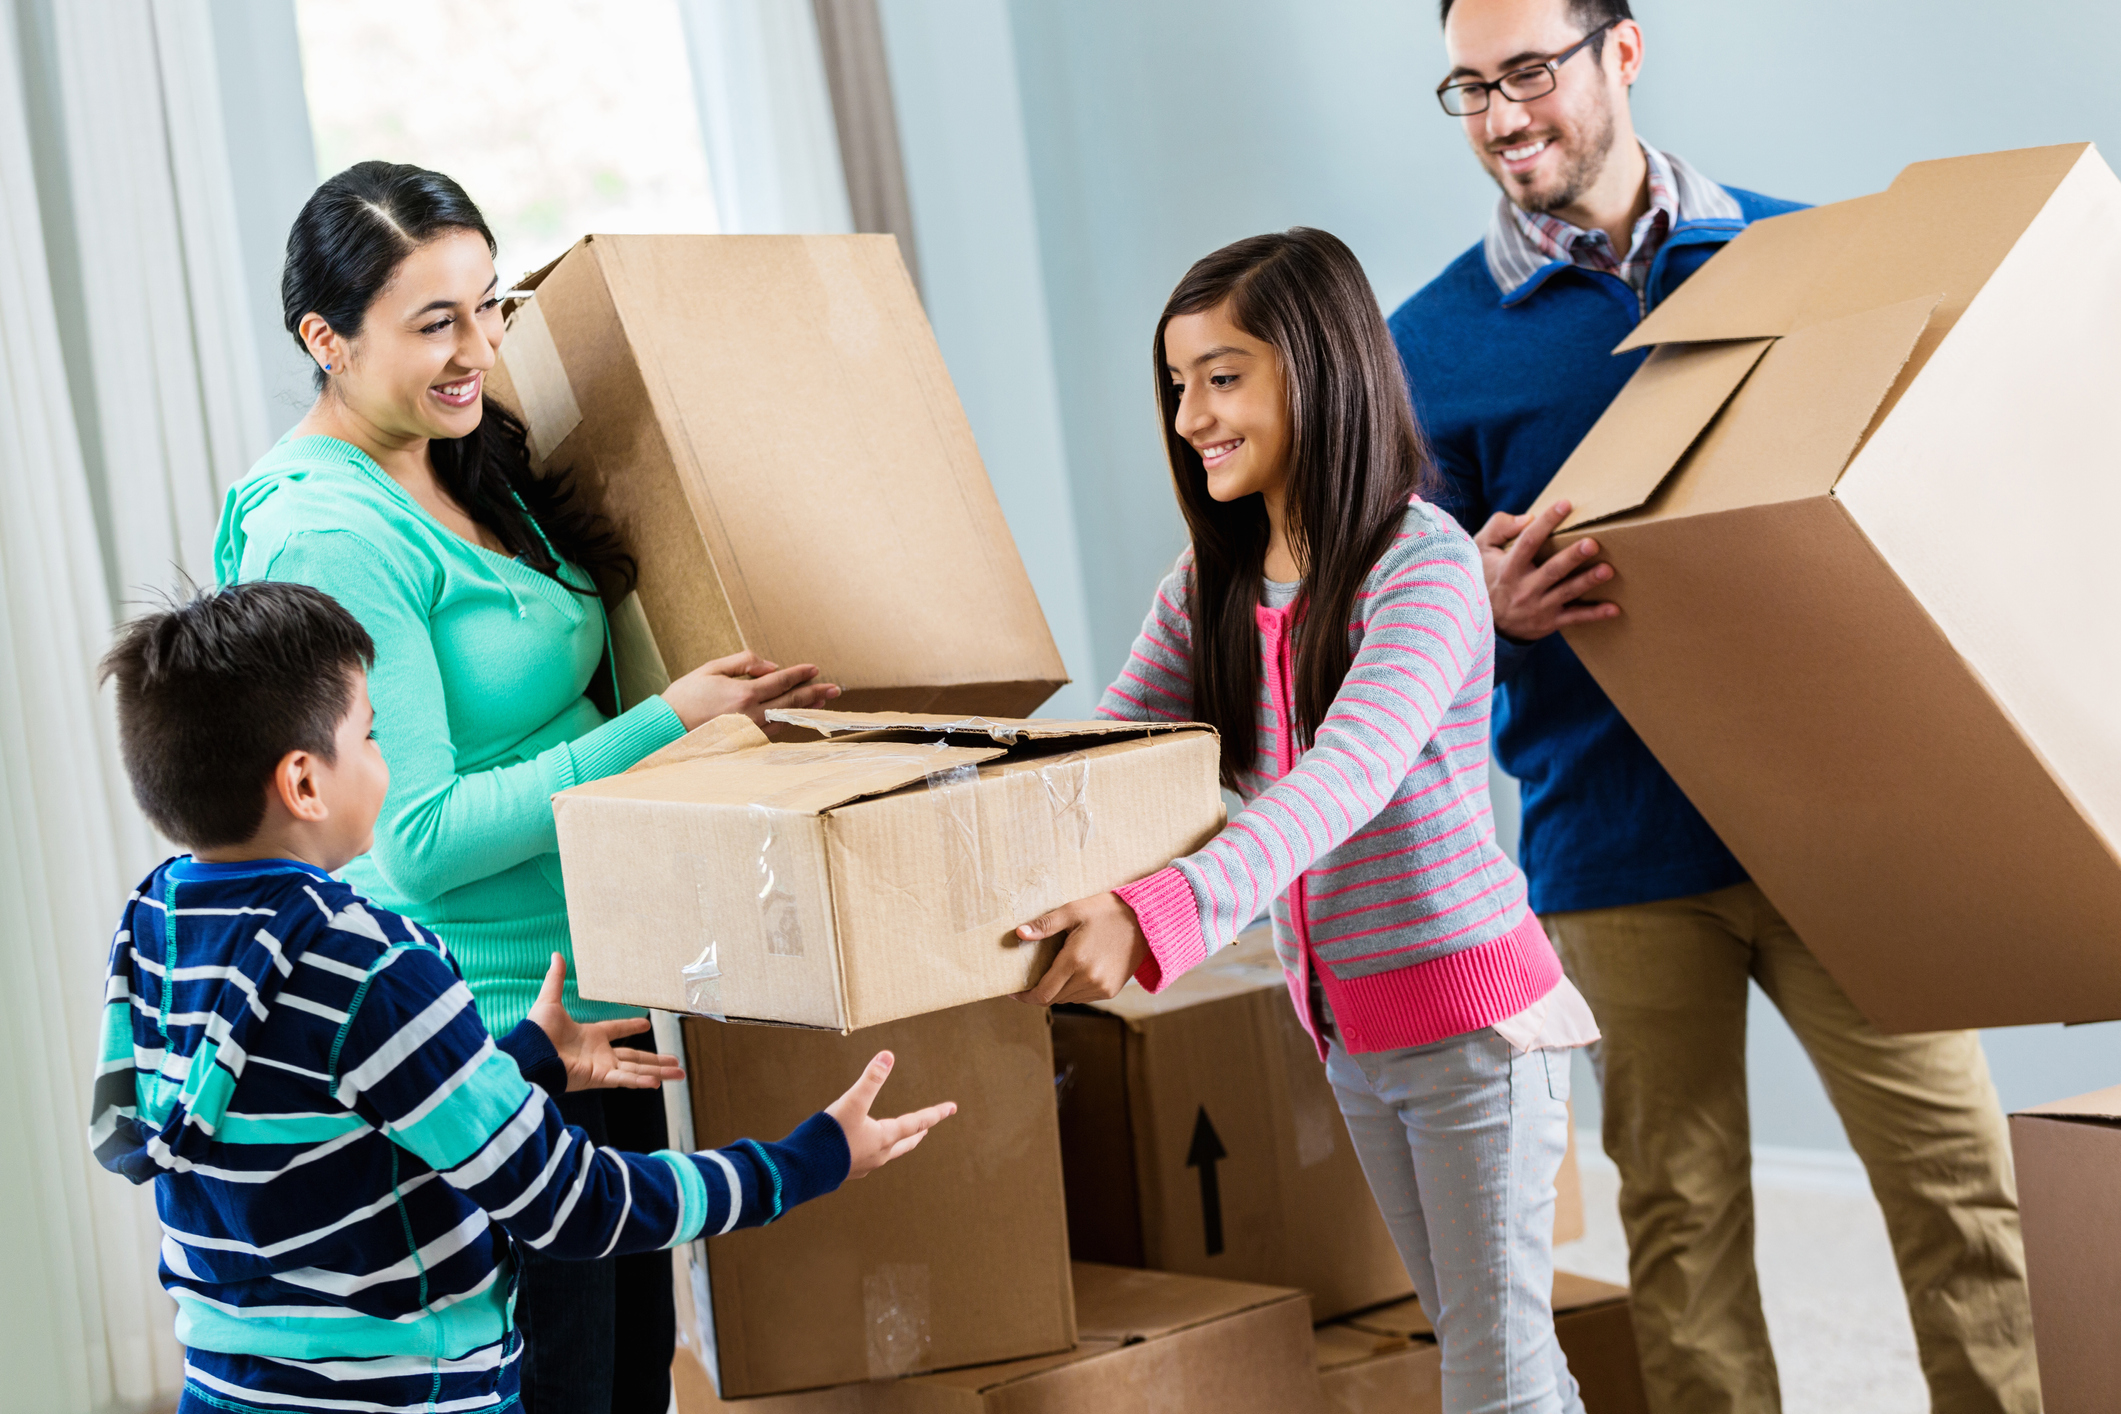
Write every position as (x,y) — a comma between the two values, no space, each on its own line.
(440,827)
(1425,635)
(1156,685)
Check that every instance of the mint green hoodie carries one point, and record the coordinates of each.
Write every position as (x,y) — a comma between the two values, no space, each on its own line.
(481,662)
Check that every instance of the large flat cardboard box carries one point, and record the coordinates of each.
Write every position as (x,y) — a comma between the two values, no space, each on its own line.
(846,883)
(2068,1157)
(1854,498)
(1200,1135)
(1150,1341)
(768,423)
(956,1254)
(1591,1321)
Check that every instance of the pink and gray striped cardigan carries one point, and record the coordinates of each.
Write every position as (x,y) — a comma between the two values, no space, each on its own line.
(1376,847)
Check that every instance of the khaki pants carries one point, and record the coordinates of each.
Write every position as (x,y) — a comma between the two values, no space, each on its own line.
(1667,981)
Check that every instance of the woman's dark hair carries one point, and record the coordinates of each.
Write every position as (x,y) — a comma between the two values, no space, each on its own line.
(1355,460)
(348,242)
(213,692)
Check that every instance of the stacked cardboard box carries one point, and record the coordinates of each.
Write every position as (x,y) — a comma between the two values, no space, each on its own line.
(2068,1157)
(1150,1341)
(1387,1361)
(1200,1135)
(1847,496)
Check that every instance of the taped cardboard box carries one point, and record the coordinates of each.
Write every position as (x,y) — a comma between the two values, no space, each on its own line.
(1200,1135)
(845,883)
(956,1254)
(2068,1157)
(1591,1321)
(768,423)
(1848,497)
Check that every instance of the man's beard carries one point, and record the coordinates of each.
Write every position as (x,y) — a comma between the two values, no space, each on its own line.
(1583,163)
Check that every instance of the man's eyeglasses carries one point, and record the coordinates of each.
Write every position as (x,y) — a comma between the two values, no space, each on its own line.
(1462,98)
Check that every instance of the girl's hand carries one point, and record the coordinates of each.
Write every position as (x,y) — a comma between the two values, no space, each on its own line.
(593,1063)
(872,1143)
(747,683)
(1105,947)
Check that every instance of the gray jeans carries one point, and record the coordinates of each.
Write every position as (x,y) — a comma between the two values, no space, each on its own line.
(1461,1140)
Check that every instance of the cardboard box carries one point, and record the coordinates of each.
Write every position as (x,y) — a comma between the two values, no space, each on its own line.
(956,1254)
(1591,1321)
(2068,1157)
(1850,498)
(846,883)
(769,424)
(1200,1135)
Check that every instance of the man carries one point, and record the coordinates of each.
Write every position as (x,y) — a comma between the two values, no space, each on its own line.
(1508,355)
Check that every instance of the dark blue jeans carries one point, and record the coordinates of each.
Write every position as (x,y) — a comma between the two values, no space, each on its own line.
(598,1335)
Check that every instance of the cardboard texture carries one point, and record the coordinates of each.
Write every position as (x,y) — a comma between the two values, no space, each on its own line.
(1200,1135)
(1846,496)
(1400,1367)
(956,1254)
(846,883)
(768,423)
(1150,1341)
(2068,1156)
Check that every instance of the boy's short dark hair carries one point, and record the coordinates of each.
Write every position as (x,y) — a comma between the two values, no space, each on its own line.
(213,692)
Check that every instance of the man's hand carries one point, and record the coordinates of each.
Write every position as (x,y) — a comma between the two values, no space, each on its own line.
(872,1143)
(592,1062)
(1105,947)
(1531,599)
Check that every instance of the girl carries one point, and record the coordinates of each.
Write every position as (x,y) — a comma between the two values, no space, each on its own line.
(409,498)
(1335,630)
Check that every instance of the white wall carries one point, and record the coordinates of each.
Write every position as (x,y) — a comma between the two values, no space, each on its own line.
(1155,133)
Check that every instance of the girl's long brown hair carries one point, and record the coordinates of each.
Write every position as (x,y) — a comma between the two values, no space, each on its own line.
(1355,460)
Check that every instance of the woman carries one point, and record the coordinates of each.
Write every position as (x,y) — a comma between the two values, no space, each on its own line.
(1335,629)
(409,498)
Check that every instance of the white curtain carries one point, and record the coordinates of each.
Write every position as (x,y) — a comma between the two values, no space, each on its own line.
(129,398)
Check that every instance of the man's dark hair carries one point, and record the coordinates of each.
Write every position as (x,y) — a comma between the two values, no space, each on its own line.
(213,692)
(1588,13)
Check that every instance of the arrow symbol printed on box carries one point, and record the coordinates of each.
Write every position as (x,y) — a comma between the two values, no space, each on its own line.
(1206,1152)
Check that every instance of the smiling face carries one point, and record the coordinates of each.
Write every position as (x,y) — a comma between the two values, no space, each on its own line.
(417,366)
(1548,153)
(1232,404)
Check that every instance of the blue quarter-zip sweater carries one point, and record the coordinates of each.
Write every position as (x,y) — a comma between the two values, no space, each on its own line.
(1504,388)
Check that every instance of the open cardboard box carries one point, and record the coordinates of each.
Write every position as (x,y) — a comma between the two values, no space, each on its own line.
(1860,499)
(768,423)
(2068,1157)
(1200,1135)
(848,882)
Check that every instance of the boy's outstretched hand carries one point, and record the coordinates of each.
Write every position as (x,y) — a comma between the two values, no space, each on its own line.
(592,1062)
(872,1143)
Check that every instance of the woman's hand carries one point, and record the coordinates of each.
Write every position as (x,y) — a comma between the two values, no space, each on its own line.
(872,1143)
(747,683)
(1105,947)
(592,1062)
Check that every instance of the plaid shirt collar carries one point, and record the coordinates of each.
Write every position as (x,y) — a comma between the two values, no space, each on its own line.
(1521,243)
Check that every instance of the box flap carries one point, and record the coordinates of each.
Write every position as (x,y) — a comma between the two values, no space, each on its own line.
(2098,1105)
(728,761)
(1340,1345)
(1002,729)
(1646,430)
(1127,1305)
(1790,431)
(1760,283)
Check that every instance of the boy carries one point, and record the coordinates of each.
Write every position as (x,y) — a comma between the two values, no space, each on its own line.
(342,1155)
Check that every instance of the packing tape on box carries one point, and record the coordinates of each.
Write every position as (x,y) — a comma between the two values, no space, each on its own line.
(895,1312)
(1004,732)
(998,852)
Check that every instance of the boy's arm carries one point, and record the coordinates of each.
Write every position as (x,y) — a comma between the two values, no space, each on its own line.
(416,1062)
(534,1055)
